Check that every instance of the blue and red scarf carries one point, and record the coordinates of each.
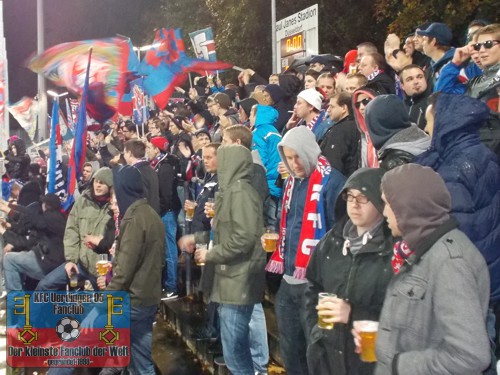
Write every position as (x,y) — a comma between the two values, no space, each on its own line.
(313,221)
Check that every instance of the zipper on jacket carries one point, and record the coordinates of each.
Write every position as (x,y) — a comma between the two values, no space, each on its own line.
(348,285)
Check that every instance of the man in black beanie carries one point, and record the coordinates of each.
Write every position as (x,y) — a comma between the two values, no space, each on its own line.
(138,263)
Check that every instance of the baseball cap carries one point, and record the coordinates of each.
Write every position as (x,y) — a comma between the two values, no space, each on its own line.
(440,31)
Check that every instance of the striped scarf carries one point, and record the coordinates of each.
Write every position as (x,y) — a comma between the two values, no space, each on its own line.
(313,222)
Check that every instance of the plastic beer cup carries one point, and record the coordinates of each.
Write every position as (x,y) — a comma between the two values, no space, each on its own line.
(321,323)
(368,332)
(190,206)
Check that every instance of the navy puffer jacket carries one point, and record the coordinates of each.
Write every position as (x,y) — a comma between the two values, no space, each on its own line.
(471,173)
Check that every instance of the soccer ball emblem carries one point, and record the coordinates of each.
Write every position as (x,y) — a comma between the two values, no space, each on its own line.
(68,329)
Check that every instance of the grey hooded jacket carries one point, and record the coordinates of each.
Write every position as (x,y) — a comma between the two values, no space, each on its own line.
(434,315)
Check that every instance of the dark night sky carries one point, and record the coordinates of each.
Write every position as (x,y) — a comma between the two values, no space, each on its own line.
(65,21)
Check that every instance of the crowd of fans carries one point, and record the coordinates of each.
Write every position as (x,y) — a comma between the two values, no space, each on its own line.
(380,182)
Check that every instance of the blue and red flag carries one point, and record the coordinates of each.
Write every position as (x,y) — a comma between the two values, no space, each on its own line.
(55,178)
(79,149)
(204,44)
(166,65)
(65,65)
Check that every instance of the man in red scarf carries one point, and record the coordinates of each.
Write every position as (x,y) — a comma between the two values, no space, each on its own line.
(307,214)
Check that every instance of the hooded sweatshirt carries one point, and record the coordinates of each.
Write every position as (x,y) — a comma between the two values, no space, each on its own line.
(303,142)
(265,141)
(128,187)
(18,165)
(368,154)
(394,131)
(140,249)
(278,96)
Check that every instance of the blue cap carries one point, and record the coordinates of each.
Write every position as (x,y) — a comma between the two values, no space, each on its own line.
(440,31)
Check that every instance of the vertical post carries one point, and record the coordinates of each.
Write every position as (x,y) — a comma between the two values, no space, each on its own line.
(42,95)
(273,34)
(4,71)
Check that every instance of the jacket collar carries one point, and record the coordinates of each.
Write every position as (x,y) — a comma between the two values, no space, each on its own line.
(430,240)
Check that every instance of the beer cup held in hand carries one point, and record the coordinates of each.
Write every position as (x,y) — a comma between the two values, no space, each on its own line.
(270,240)
(102,264)
(368,332)
(201,247)
(190,206)
(321,323)
(211,210)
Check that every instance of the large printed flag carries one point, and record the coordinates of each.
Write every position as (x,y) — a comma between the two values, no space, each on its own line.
(65,65)
(166,65)
(79,149)
(25,111)
(204,44)
(55,178)
(68,329)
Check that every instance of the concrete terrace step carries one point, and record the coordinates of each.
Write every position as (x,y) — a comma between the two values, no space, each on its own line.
(185,315)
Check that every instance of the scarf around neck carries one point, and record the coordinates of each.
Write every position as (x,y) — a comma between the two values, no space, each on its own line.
(313,222)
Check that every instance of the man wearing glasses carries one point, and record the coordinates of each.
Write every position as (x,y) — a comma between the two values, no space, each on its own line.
(488,47)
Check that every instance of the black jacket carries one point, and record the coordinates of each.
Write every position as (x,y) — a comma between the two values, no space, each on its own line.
(384,83)
(201,222)
(360,279)
(340,146)
(45,238)
(392,158)
(167,178)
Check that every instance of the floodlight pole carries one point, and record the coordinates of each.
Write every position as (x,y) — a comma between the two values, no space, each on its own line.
(42,96)
(273,33)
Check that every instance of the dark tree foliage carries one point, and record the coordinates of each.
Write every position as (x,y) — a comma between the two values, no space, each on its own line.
(243,28)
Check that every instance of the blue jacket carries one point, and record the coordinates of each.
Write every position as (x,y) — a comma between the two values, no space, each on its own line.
(265,141)
(448,79)
(439,65)
(471,173)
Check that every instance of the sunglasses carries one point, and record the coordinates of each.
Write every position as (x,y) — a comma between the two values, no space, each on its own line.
(364,102)
(488,44)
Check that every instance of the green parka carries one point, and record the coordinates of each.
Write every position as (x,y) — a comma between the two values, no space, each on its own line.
(86,217)
(237,255)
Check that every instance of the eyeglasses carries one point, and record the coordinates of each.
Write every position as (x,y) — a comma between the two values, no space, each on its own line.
(488,44)
(364,102)
(361,199)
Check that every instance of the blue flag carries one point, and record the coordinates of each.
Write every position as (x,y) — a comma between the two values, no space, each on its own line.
(79,149)
(55,183)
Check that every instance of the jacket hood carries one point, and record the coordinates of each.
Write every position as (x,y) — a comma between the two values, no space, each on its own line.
(265,115)
(382,126)
(20,146)
(412,139)
(234,162)
(128,187)
(367,181)
(247,105)
(457,120)
(104,175)
(275,92)
(290,84)
(419,199)
(303,142)
(360,121)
